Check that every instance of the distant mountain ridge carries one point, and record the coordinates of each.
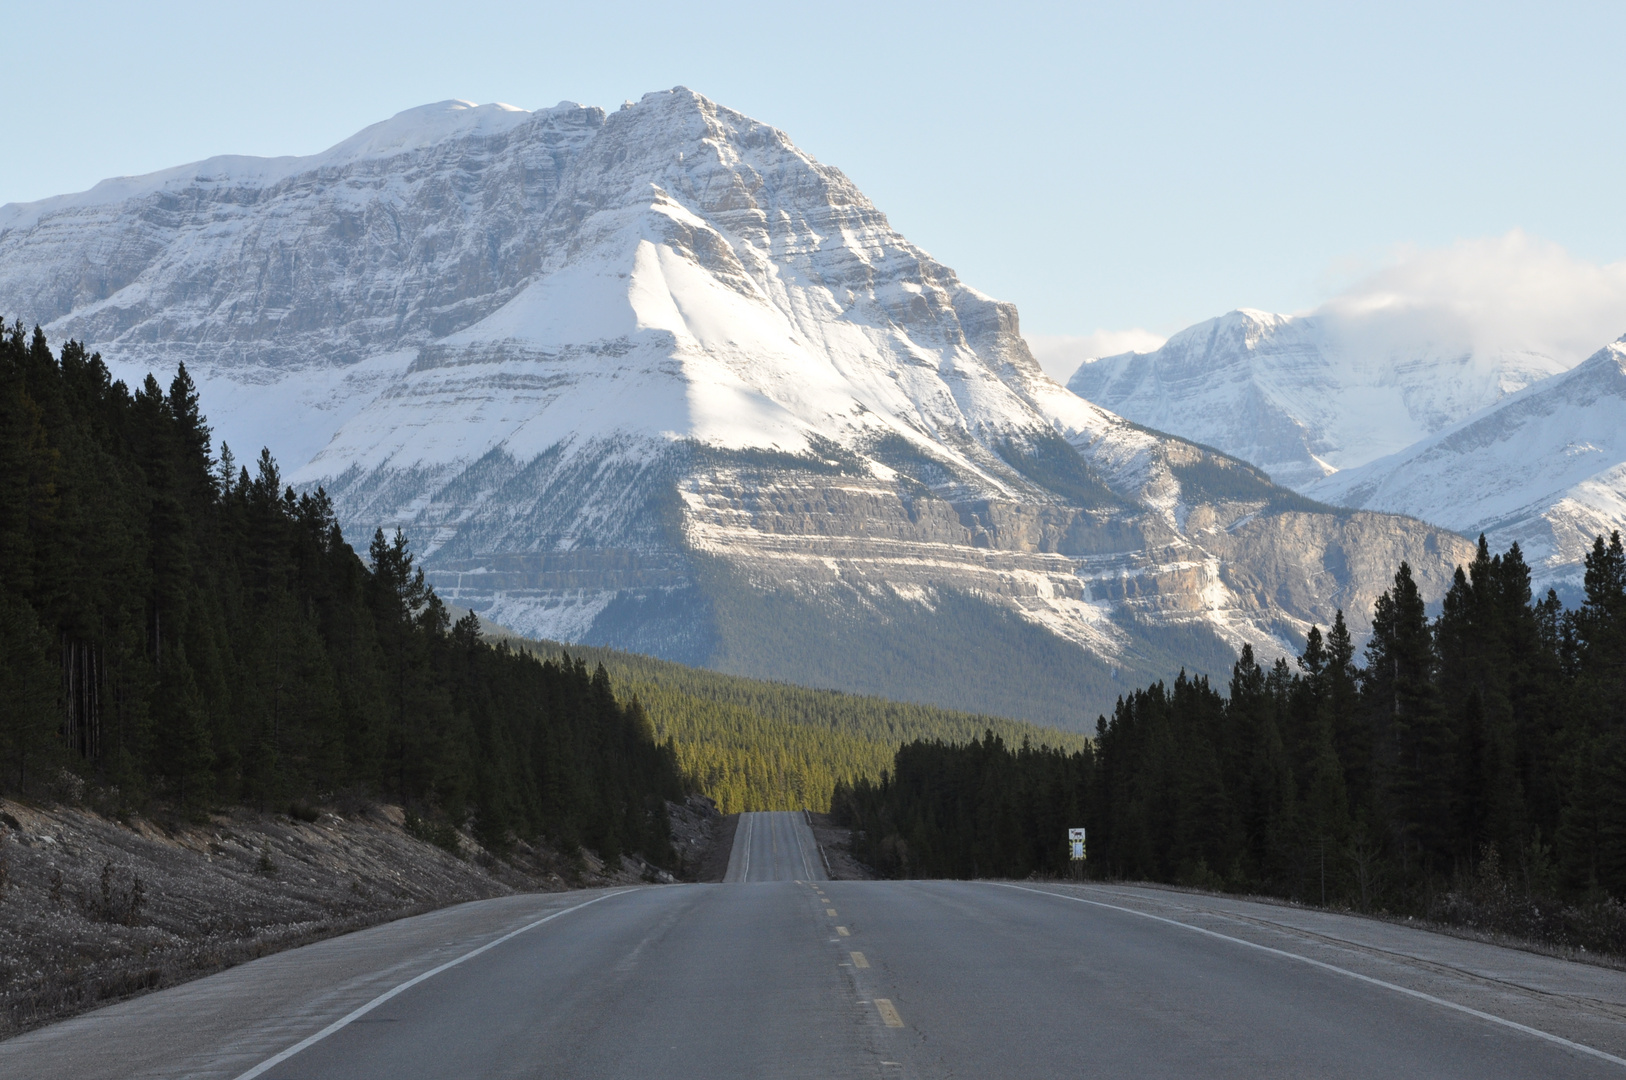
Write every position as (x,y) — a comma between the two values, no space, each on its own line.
(658,380)
(1303,396)
(1545,467)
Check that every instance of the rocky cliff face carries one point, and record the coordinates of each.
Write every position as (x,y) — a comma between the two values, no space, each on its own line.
(658,379)
(1304,396)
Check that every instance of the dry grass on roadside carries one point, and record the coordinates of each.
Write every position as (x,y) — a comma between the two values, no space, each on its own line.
(94,909)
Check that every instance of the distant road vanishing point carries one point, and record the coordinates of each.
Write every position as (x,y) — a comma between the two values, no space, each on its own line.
(779,972)
(775,846)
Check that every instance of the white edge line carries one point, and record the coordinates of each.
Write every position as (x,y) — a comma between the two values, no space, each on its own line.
(828,873)
(342,1021)
(745,850)
(1515,1025)
(801,846)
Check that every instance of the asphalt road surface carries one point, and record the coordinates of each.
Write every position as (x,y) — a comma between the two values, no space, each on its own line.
(774,846)
(777,973)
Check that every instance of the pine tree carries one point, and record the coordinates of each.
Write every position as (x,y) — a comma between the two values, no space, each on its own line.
(1415,745)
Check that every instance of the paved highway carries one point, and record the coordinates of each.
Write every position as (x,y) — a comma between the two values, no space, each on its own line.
(774,847)
(780,974)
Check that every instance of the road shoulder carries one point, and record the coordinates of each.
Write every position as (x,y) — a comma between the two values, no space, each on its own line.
(224,1024)
(1579,1002)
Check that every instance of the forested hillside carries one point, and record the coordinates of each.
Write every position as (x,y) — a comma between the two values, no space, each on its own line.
(1482,752)
(176,628)
(757,745)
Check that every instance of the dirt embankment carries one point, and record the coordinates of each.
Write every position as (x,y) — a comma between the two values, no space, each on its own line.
(835,843)
(713,866)
(698,832)
(94,909)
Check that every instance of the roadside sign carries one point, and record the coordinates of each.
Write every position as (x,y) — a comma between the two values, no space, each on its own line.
(1075,844)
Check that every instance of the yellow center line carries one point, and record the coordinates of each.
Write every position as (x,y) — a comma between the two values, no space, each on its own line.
(859,961)
(842,930)
(889,1015)
(830,911)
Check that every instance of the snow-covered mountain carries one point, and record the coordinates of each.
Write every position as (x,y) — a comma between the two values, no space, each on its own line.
(1304,396)
(1545,467)
(658,379)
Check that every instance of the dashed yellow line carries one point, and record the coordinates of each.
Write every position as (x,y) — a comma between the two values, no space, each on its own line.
(842,930)
(858,960)
(889,1015)
(830,911)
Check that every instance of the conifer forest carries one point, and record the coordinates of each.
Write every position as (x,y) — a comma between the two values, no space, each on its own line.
(751,744)
(1483,750)
(182,628)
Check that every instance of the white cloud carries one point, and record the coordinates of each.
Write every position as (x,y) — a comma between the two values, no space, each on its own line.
(1492,297)
(1060,355)
(1507,293)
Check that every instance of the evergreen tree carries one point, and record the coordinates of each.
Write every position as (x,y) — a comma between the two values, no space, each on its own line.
(1416,748)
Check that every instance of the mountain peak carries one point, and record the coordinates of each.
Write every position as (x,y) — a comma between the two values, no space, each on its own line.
(618,374)
(1243,328)
(426,125)
(1616,353)
(410,130)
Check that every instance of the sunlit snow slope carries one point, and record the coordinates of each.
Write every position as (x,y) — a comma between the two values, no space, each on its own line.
(657,379)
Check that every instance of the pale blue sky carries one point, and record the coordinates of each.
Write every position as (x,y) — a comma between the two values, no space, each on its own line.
(1104,166)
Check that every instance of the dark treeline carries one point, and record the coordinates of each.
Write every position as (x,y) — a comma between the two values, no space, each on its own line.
(1488,742)
(174,628)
